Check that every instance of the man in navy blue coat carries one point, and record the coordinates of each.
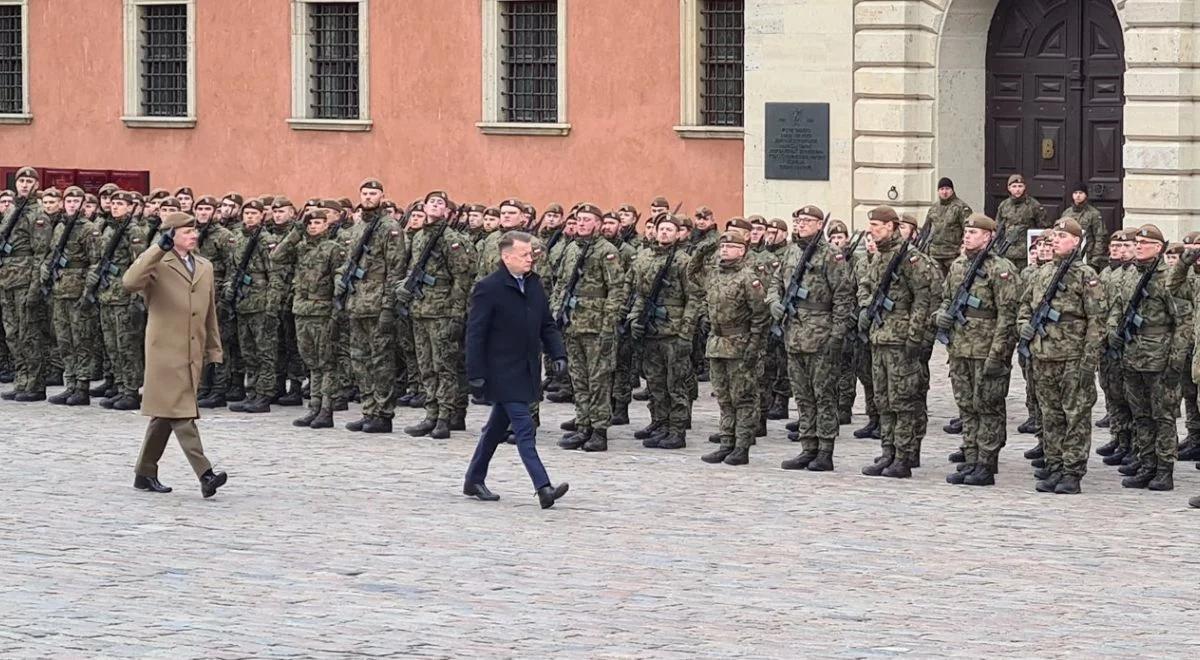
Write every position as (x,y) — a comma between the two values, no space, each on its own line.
(508,325)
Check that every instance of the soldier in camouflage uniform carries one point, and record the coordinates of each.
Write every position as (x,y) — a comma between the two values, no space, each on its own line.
(255,301)
(1148,361)
(593,308)
(7,375)
(214,243)
(1094,232)
(1184,284)
(488,256)
(71,326)
(559,389)
(813,314)
(438,316)
(736,306)
(862,350)
(665,325)
(847,388)
(18,235)
(1040,256)
(910,231)
(980,348)
(1016,216)
(1112,376)
(946,218)
(898,344)
(623,376)
(1064,360)
(410,394)
(702,246)
(289,369)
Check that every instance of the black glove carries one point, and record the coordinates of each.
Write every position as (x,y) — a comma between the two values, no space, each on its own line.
(166,240)
(560,367)
(994,368)
(1115,341)
(705,327)
(864,321)
(477,387)
(637,330)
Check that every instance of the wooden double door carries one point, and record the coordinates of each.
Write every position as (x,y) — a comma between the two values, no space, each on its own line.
(1055,100)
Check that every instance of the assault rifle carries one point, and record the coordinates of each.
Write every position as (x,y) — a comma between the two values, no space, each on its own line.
(1002,242)
(419,277)
(652,312)
(1131,320)
(354,272)
(796,291)
(1045,312)
(962,296)
(241,278)
(58,261)
(569,301)
(153,225)
(858,237)
(6,248)
(881,302)
(106,268)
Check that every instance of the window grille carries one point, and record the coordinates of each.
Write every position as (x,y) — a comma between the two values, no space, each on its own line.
(12,96)
(164,60)
(721,62)
(529,61)
(333,83)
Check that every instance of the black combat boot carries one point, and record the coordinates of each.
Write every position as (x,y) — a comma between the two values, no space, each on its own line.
(421,428)
(1164,478)
(575,440)
(10,395)
(843,417)
(739,456)
(649,431)
(792,426)
(871,430)
(1048,484)
(899,469)
(714,438)
(1042,473)
(954,426)
(569,425)
(778,408)
(378,424)
(875,469)
(210,481)
(417,401)
(957,456)
(441,430)
(1104,423)
(1124,440)
(259,404)
(323,420)
(215,399)
(717,455)
(80,398)
(357,425)
(1130,469)
(1036,452)
(823,462)
(620,416)
(1030,425)
(127,402)
(239,405)
(801,460)
(1068,485)
(1038,463)
(237,388)
(458,421)
(100,389)
(108,402)
(598,441)
(981,475)
(60,399)
(959,475)
(1191,450)
(1108,448)
(306,420)
(402,401)
(292,397)
(793,436)
(1142,479)
(672,440)
(561,396)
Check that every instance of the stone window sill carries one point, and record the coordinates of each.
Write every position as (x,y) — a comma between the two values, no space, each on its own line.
(159,122)
(16,119)
(711,132)
(521,128)
(353,125)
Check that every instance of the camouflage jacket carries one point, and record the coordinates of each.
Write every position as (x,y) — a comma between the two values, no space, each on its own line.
(1183,282)
(18,257)
(215,245)
(284,261)
(946,219)
(990,329)
(132,243)
(703,244)
(264,290)
(1153,345)
(677,307)
(77,252)
(822,319)
(1094,233)
(599,292)
(451,264)
(317,258)
(1079,331)
(736,306)
(912,295)
(384,264)
(1018,216)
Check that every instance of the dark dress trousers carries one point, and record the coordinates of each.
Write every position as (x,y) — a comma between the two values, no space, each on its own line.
(509,324)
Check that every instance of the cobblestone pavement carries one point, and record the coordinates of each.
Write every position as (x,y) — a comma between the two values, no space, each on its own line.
(327,544)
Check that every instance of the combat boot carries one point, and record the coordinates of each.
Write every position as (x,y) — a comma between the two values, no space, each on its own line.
(779,408)
(417,401)
(1042,473)
(357,425)
(792,426)
(793,436)
(127,402)
(561,396)
(1191,452)
(1140,480)
(54,379)
(980,476)
(649,431)
(717,456)
(213,400)
(100,389)
(10,395)
(60,399)
(402,402)
(80,398)
(112,392)
(384,425)
(1104,422)
(620,416)
(306,420)
(641,395)
(957,456)
(714,438)
(871,430)
(1164,478)
(823,462)
(1048,484)
(1130,469)
(1068,485)
(739,456)
(259,404)
(236,391)
(672,440)
(1194,502)
(1108,448)
(598,441)
(954,426)
(421,428)
(323,420)
(458,421)
(575,440)
(1030,425)
(1036,452)
(1038,463)
(1130,457)
(1118,455)
(441,429)
(875,469)
(898,469)
(959,476)
(801,461)
(569,425)
(108,402)
(293,397)
(30,397)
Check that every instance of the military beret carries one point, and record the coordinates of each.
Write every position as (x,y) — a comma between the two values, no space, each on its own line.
(157,194)
(554,208)
(371,183)
(387,204)
(666,217)
(89,198)
(738,223)
(1121,236)
(207,200)
(1070,226)
(476,208)
(28,172)
(169,203)
(980,221)
(735,237)
(909,219)
(108,189)
(628,208)
(1015,178)
(660,201)
(253,204)
(611,215)
(757,220)
(682,221)
(282,202)
(491,211)
(445,197)
(332,204)
(345,202)
(590,208)
(883,214)
(312,201)
(777,224)
(7,193)
(233,197)
(73,191)
(838,227)
(1175,248)
(945,182)
(267,201)
(135,196)
(1191,237)
(122,196)
(529,210)
(704,212)
(184,190)
(810,210)
(1151,232)
(177,219)
(52,192)
(516,203)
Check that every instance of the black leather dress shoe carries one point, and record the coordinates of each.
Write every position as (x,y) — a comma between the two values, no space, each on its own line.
(547,495)
(480,492)
(210,482)
(151,484)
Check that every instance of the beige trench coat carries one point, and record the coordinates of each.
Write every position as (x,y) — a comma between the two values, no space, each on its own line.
(181,329)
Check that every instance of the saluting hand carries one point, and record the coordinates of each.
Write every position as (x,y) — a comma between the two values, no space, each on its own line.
(167,241)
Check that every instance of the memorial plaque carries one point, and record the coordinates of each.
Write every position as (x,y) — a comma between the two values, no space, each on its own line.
(797,141)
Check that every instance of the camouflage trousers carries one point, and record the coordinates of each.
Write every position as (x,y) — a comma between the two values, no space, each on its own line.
(313,340)
(6,361)
(123,341)
(623,376)
(257,337)
(981,406)
(774,380)
(1066,392)
(1191,411)
(99,359)
(856,368)
(665,361)
(1153,412)
(898,396)
(228,374)
(438,341)
(288,363)
(1112,381)
(736,386)
(813,377)
(1031,398)
(408,375)
(21,333)
(343,368)
(373,355)
(72,329)
(590,360)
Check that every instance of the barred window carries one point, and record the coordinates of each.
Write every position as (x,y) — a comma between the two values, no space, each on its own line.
(333,74)
(12,94)
(721,62)
(529,61)
(163,60)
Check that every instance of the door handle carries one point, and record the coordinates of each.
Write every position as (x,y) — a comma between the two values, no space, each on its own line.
(1047,148)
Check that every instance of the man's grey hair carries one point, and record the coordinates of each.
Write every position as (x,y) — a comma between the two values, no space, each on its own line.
(510,238)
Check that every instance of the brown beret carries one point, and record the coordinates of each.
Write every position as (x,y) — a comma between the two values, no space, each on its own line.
(660,201)
(554,208)
(778,224)
(233,197)
(883,214)
(157,194)
(909,219)
(1121,236)
(122,196)
(73,191)
(332,204)
(445,196)
(529,210)
(666,217)
(1151,232)
(177,219)
(184,190)
(810,210)
(628,208)
(590,208)
(169,203)
(108,189)
(371,183)
(267,201)
(345,202)
(1175,248)
(476,208)
(491,211)
(1191,237)
(282,202)
(7,193)
(255,204)
(514,202)
(1070,226)
(738,223)
(838,227)
(52,192)
(682,221)
(207,200)
(312,201)
(28,172)
(734,237)
(89,198)
(1015,178)
(704,212)
(137,196)
(757,220)
(980,221)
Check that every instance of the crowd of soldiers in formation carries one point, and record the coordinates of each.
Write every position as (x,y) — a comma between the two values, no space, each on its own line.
(340,301)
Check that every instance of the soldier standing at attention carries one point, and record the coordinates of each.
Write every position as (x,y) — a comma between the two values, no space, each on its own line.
(71,326)
(909,231)
(898,339)
(255,300)
(813,323)
(1146,361)
(123,240)
(16,275)
(737,308)
(289,370)
(839,238)
(1063,361)
(1094,232)
(214,244)
(1184,284)
(1112,376)
(947,219)
(1016,216)
(623,377)
(980,348)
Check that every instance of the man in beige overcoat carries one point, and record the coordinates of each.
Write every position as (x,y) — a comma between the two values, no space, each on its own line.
(181,337)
